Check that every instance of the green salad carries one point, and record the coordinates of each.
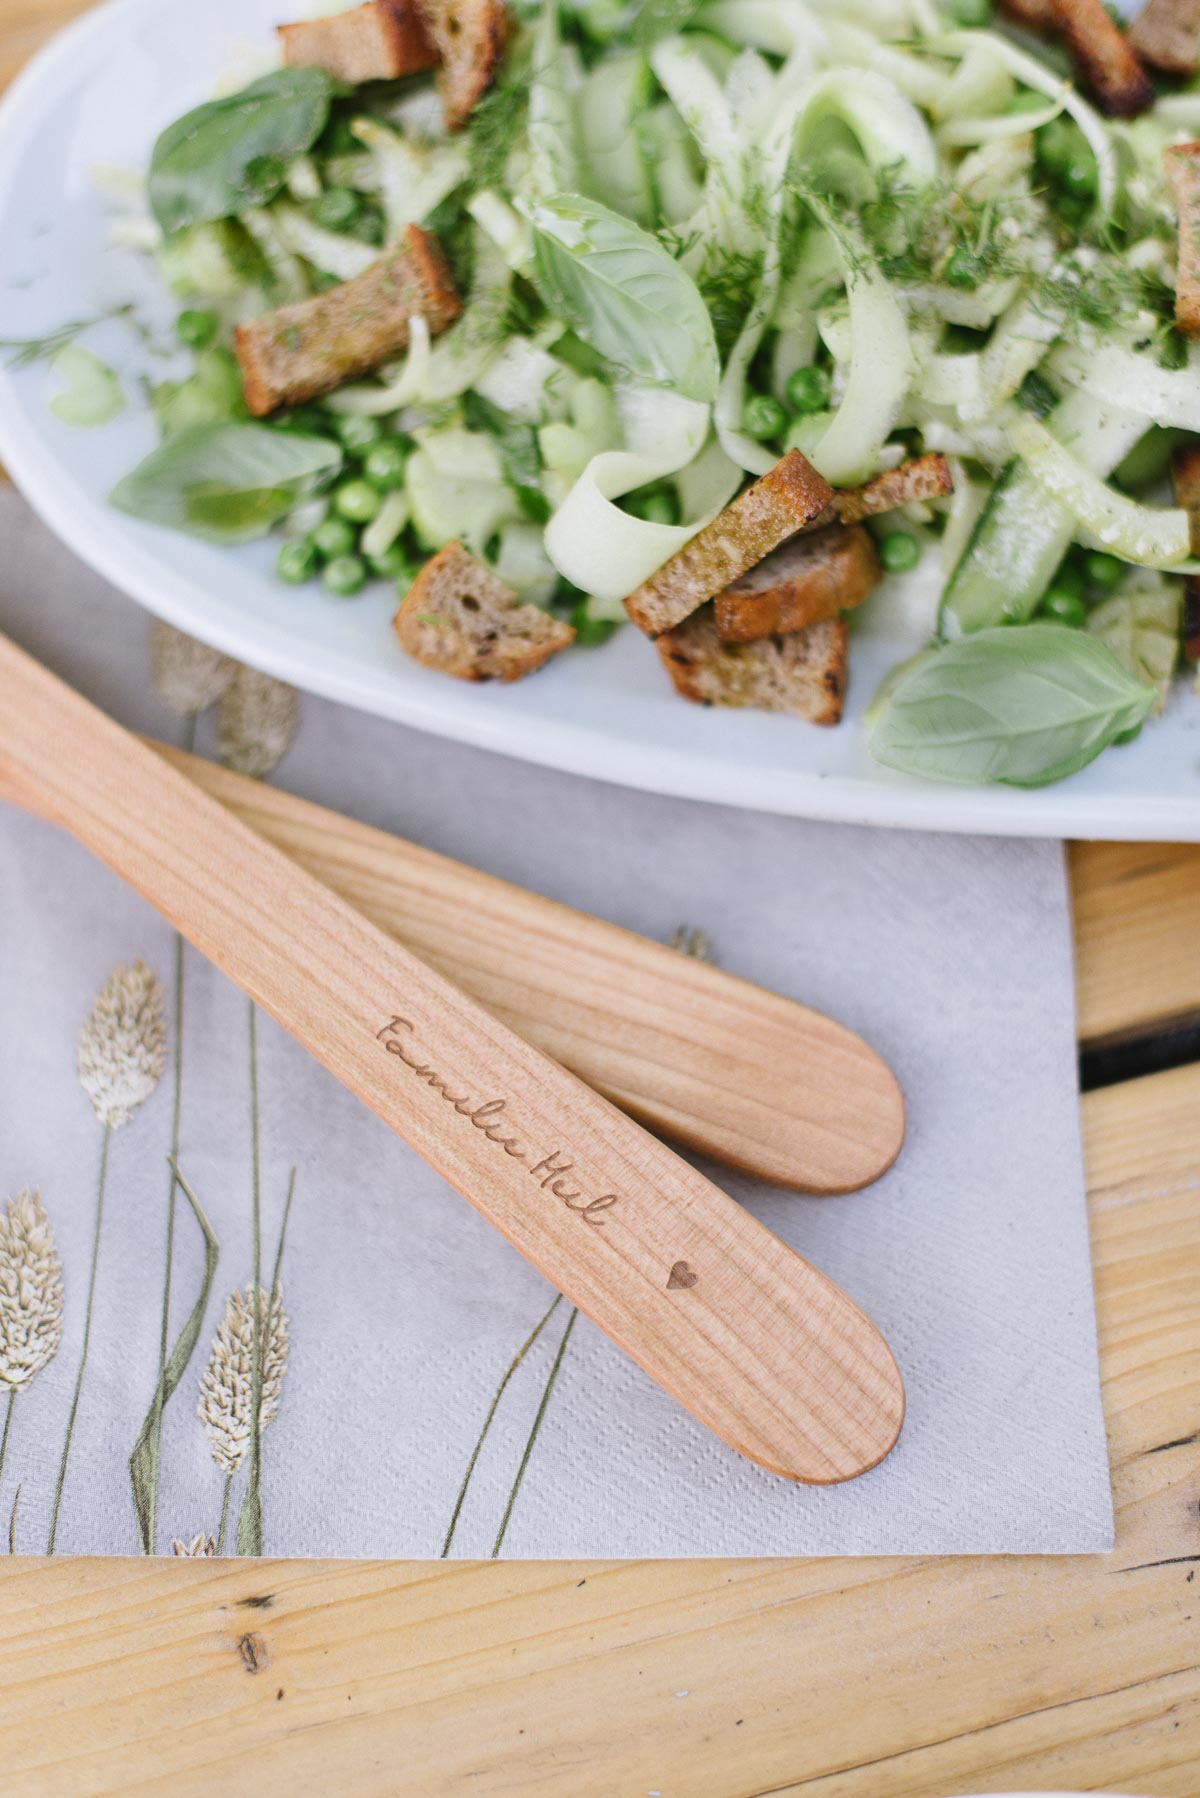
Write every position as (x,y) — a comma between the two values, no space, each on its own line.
(684,240)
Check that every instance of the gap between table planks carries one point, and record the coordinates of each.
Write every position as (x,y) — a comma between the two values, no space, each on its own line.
(709,1679)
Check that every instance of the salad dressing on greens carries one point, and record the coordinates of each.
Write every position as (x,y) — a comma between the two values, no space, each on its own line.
(688,239)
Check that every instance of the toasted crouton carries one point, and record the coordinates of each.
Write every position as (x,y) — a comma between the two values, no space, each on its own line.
(299,351)
(470,36)
(1167,35)
(922,478)
(375,42)
(1107,65)
(750,527)
(1035,15)
(460,618)
(1182,166)
(1185,477)
(803,673)
(813,576)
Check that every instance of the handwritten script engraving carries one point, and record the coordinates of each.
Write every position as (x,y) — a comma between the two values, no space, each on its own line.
(489,1116)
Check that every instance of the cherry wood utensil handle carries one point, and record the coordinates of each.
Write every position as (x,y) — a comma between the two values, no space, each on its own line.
(760,1346)
(746,1076)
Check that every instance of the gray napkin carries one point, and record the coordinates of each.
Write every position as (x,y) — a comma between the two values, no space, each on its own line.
(422,1390)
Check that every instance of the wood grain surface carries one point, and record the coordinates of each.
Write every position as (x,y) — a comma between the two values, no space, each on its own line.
(758,1344)
(714,1679)
(709,1679)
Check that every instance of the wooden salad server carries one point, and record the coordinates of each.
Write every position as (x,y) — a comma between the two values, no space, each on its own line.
(754,1080)
(755,1342)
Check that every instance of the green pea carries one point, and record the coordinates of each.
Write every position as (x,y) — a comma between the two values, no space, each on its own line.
(973,13)
(1078,177)
(357,500)
(385,462)
(1068,579)
(808,389)
(346,576)
(197,326)
(590,632)
(657,505)
(962,270)
(1101,570)
(297,562)
(1064,608)
(763,416)
(1058,143)
(335,209)
(899,551)
(357,435)
(334,537)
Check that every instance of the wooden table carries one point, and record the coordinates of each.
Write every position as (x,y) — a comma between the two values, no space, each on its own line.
(711,1679)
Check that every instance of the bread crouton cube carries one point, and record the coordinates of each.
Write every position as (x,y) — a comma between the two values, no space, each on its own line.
(376,42)
(1107,64)
(299,351)
(470,36)
(813,576)
(460,618)
(803,673)
(921,478)
(788,497)
(1182,166)
(1166,34)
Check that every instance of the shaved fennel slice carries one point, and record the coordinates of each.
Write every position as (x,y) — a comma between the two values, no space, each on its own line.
(916,80)
(367,400)
(413,177)
(962,132)
(330,251)
(552,136)
(1043,80)
(1150,536)
(889,129)
(607,552)
(1136,383)
(780,27)
(881,368)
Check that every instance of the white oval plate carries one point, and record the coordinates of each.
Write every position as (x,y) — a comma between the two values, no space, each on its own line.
(100,94)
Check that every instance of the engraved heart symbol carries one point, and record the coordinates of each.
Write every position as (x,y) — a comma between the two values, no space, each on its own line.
(682,1275)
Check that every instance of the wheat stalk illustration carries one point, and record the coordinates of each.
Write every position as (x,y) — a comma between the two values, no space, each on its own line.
(123,1045)
(187,675)
(227,1389)
(122,1056)
(31,1298)
(256,722)
(200,1547)
(695,943)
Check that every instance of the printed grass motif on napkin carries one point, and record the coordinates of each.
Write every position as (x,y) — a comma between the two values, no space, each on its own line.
(242,1314)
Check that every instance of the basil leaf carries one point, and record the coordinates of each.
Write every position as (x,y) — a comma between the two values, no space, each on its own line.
(517,443)
(620,290)
(231,154)
(1023,704)
(656,19)
(227,483)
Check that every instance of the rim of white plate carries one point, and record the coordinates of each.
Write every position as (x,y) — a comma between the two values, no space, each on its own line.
(99,537)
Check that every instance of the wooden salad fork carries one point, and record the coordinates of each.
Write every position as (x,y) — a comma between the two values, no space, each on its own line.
(753,1340)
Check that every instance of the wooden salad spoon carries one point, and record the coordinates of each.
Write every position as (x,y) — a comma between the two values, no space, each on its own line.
(753,1340)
